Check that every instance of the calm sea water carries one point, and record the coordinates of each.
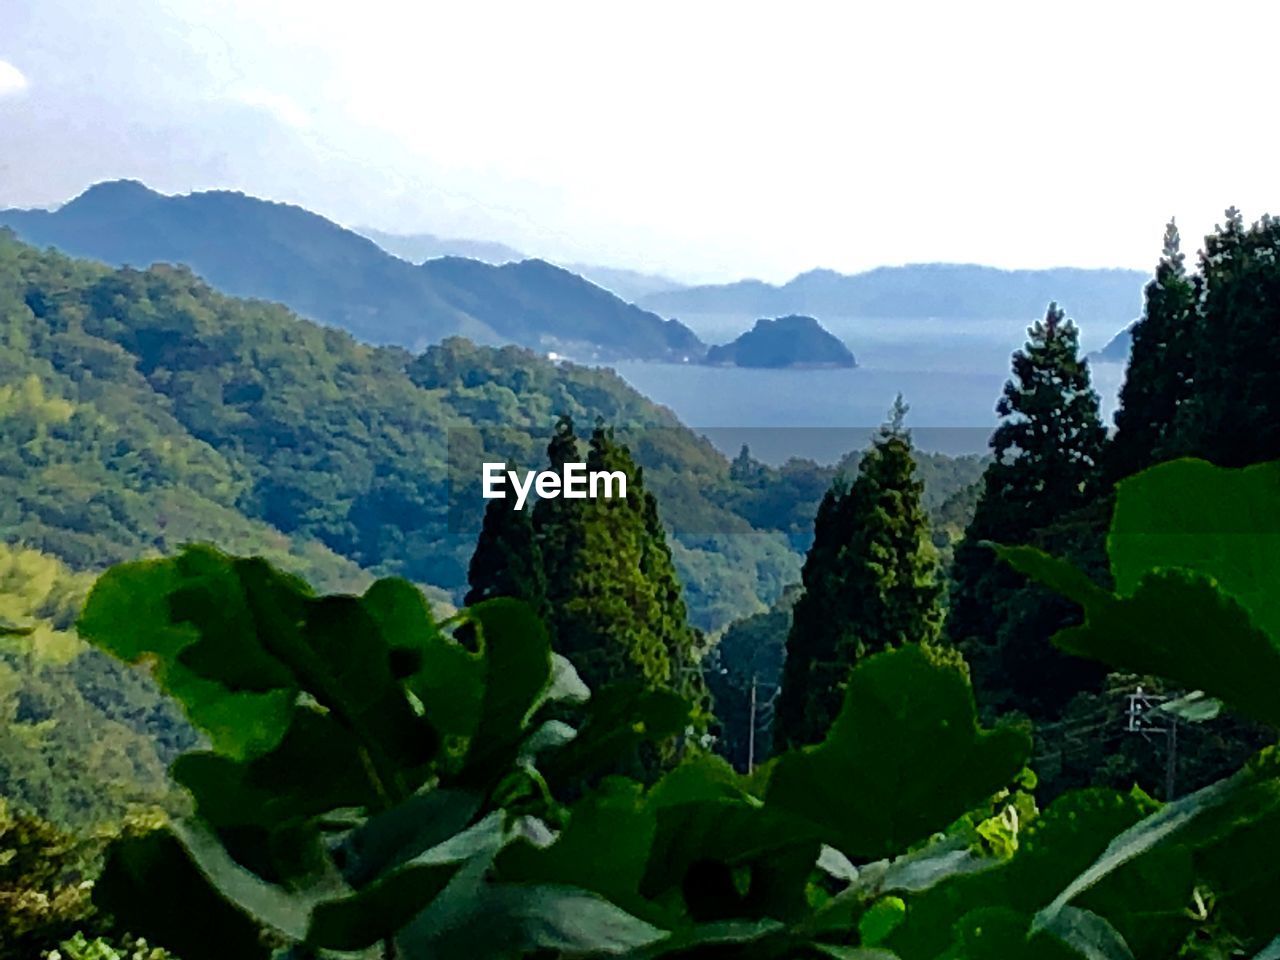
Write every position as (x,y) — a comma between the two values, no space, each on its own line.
(950,376)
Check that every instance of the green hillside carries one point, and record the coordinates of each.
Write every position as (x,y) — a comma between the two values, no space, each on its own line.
(143,410)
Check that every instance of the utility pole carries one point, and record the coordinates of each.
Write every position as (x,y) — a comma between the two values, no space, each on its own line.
(1142,703)
(751,729)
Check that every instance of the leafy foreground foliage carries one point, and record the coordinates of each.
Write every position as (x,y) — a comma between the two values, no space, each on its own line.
(80,947)
(42,896)
(374,788)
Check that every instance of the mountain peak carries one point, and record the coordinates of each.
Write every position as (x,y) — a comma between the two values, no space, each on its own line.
(792,322)
(269,250)
(113,195)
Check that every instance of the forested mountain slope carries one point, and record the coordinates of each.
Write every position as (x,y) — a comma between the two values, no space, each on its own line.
(143,410)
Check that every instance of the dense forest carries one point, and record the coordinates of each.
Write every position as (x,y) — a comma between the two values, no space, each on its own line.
(1020,706)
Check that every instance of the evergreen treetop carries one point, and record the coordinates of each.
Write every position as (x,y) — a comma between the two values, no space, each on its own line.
(1050,441)
(507,561)
(1161,365)
(1232,416)
(1047,452)
(870,583)
(615,605)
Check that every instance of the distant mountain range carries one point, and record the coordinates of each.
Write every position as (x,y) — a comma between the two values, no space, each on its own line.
(791,341)
(962,291)
(416,247)
(273,251)
(630,285)
(416,290)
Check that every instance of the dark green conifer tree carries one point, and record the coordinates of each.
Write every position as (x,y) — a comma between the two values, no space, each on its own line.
(1233,415)
(1161,367)
(870,584)
(507,561)
(1045,468)
(558,523)
(684,645)
(615,604)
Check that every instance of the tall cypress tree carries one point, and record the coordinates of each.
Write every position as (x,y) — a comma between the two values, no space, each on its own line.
(811,674)
(1160,376)
(1045,467)
(558,522)
(507,561)
(870,584)
(615,604)
(684,644)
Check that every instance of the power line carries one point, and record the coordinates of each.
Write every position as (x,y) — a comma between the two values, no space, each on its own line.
(1142,706)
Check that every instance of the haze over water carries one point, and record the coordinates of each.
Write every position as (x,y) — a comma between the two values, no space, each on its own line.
(950,371)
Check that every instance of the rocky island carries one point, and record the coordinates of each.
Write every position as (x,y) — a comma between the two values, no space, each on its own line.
(784,342)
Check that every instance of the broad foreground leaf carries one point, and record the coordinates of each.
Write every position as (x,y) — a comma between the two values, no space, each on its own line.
(904,759)
(1177,624)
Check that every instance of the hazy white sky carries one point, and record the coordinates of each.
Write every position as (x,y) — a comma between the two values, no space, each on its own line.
(708,140)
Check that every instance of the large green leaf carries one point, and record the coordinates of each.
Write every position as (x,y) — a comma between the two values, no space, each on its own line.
(1235,844)
(1138,840)
(240,724)
(180,887)
(152,888)
(1177,624)
(244,611)
(447,678)
(404,618)
(1088,934)
(1143,898)
(237,642)
(475,918)
(317,767)
(127,612)
(1223,523)
(517,675)
(904,759)
(615,721)
(728,859)
(398,885)
(396,836)
(130,614)
(1195,556)
(380,910)
(604,848)
(354,679)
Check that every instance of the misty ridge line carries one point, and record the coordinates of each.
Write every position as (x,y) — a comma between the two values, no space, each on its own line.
(387,293)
